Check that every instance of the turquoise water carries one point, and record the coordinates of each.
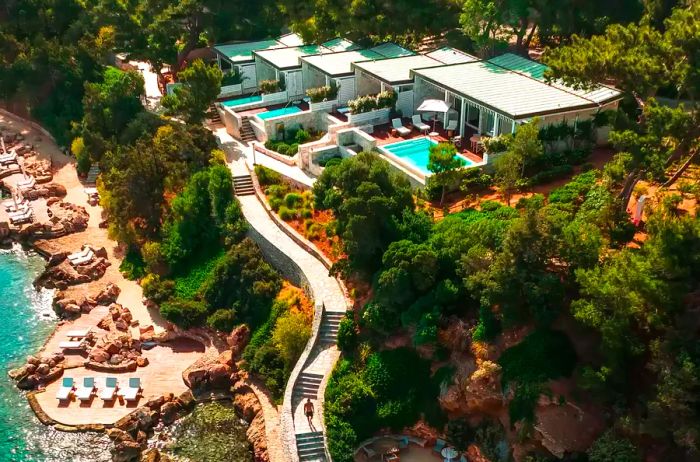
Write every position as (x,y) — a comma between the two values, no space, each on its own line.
(27,320)
(242,101)
(279,112)
(417,153)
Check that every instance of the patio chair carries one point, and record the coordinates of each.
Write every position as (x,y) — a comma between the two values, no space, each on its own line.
(78,333)
(25,186)
(420,126)
(369,452)
(71,345)
(84,393)
(110,390)
(403,442)
(131,392)
(86,259)
(64,392)
(396,124)
(82,254)
(439,444)
(451,126)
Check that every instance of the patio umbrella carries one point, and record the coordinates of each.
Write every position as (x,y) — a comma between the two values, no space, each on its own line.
(434,105)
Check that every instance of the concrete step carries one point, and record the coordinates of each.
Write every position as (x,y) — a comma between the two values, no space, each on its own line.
(311,447)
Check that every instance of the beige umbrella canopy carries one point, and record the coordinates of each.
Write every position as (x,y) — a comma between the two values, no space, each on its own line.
(434,105)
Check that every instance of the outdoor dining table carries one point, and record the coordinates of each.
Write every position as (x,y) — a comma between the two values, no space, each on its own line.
(449,453)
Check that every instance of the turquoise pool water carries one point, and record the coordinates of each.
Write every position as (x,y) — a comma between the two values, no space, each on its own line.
(416,152)
(27,321)
(242,101)
(279,112)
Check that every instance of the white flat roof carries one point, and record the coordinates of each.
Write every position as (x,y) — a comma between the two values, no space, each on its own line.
(289,58)
(503,90)
(449,55)
(336,64)
(396,70)
(598,94)
(391,50)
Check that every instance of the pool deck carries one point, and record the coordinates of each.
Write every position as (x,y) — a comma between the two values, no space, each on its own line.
(383,135)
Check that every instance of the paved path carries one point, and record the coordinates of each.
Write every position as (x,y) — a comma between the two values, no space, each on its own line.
(325,289)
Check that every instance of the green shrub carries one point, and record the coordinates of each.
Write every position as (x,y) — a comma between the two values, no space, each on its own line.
(275,203)
(184,313)
(325,93)
(152,256)
(306,213)
(222,320)
(232,77)
(157,289)
(191,277)
(133,267)
(301,137)
(277,190)
(347,333)
(459,433)
(293,200)
(267,176)
(286,213)
(269,86)
(610,448)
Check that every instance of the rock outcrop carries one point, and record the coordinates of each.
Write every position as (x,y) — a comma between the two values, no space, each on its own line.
(66,306)
(37,372)
(62,274)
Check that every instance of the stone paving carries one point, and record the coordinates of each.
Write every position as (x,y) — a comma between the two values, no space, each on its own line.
(325,289)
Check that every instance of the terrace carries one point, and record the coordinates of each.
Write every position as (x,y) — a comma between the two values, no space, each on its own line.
(401,448)
(410,155)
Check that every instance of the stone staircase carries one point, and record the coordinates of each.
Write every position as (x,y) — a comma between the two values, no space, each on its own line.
(328,333)
(92,175)
(247,133)
(243,185)
(307,385)
(213,115)
(310,447)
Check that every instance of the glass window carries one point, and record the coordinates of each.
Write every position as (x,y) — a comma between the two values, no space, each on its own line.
(473,114)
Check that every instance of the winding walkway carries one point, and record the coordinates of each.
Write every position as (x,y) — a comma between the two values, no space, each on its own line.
(317,361)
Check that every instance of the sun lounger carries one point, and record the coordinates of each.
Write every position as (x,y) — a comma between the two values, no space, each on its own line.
(110,389)
(86,259)
(71,345)
(82,254)
(11,207)
(84,392)
(8,158)
(419,124)
(66,389)
(21,217)
(26,181)
(78,333)
(439,444)
(369,452)
(396,124)
(403,442)
(26,185)
(132,390)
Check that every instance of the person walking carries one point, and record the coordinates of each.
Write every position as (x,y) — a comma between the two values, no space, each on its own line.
(309,411)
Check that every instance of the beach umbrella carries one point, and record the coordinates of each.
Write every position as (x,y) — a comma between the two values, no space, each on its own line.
(434,105)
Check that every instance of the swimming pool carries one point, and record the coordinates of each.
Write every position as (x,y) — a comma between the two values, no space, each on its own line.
(416,152)
(279,112)
(242,101)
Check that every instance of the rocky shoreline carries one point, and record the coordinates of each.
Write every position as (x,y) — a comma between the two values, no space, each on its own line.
(78,292)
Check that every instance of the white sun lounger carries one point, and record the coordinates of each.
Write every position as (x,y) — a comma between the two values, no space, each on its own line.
(29,184)
(71,345)
(403,131)
(110,389)
(78,333)
(86,259)
(132,390)
(84,392)
(419,123)
(8,158)
(82,254)
(11,208)
(66,389)
(21,217)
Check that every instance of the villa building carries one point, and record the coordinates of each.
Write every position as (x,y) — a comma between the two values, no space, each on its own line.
(484,98)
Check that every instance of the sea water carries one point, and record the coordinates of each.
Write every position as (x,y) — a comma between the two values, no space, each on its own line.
(26,320)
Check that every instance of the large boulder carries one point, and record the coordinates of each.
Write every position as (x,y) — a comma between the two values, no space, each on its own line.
(108,295)
(169,413)
(218,376)
(238,339)
(99,355)
(126,451)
